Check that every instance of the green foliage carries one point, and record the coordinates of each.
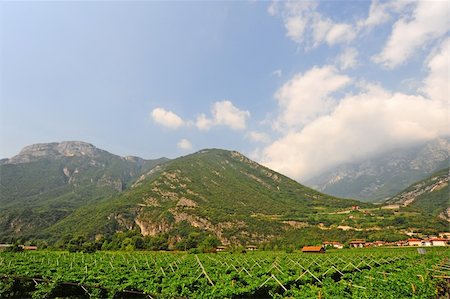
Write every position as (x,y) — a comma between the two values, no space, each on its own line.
(38,194)
(159,242)
(434,202)
(14,248)
(209,244)
(212,193)
(430,196)
(225,187)
(388,235)
(358,273)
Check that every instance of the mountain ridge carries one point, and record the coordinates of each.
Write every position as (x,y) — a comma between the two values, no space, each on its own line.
(219,191)
(46,182)
(212,192)
(36,151)
(380,177)
(430,195)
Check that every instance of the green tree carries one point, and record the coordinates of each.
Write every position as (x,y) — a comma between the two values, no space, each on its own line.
(209,244)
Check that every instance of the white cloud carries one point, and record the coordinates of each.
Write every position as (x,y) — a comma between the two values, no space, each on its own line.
(272,9)
(308,96)
(348,59)
(429,21)
(258,137)
(203,123)
(295,27)
(305,25)
(226,114)
(321,124)
(166,118)
(340,33)
(320,27)
(360,126)
(325,30)
(184,144)
(378,14)
(277,73)
(436,85)
(381,12)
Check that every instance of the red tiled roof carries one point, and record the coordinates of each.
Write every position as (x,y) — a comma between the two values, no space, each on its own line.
(331,242)
(29,247)
(312,248)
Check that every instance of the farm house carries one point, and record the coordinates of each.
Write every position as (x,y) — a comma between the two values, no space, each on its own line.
(357,243)
(333,244)
(313,249)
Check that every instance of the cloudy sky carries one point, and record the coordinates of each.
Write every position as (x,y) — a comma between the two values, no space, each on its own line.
(298,86)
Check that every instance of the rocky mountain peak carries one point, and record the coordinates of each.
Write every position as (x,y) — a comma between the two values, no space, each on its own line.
(77,148)
(54,150)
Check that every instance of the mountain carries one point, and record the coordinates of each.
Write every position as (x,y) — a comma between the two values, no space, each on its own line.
(430,195)
(62,195)
(216,190)
(225,194)
(46,182)
(383,176)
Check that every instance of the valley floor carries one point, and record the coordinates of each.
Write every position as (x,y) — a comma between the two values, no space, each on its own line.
(348,273)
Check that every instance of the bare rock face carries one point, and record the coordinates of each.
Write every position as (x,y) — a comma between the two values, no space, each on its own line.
(54,150)
(34,152)
(77,148)
(81,163)
(406,198)
(426,194)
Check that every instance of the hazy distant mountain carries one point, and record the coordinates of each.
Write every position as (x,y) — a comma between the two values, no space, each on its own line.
(430,195)
(381,177)
(46,182)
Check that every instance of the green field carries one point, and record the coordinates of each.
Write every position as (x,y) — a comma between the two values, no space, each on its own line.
(350,273)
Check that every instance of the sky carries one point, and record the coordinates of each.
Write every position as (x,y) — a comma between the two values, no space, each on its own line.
(299,86)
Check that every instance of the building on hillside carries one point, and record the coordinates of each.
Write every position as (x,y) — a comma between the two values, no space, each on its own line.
(313,249)
(220,248)
(439,242)
(333,244)
(357,243)
(251,247)
(355,208)
(24,247)
(427,242)
(414,242)
(378,243)
(401,243)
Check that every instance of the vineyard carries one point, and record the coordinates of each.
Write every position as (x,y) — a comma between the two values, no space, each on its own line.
(360,273)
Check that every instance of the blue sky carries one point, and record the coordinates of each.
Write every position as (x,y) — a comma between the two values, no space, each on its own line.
(298,86)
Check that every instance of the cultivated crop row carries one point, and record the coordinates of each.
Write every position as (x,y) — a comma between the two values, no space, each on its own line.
(394,273)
